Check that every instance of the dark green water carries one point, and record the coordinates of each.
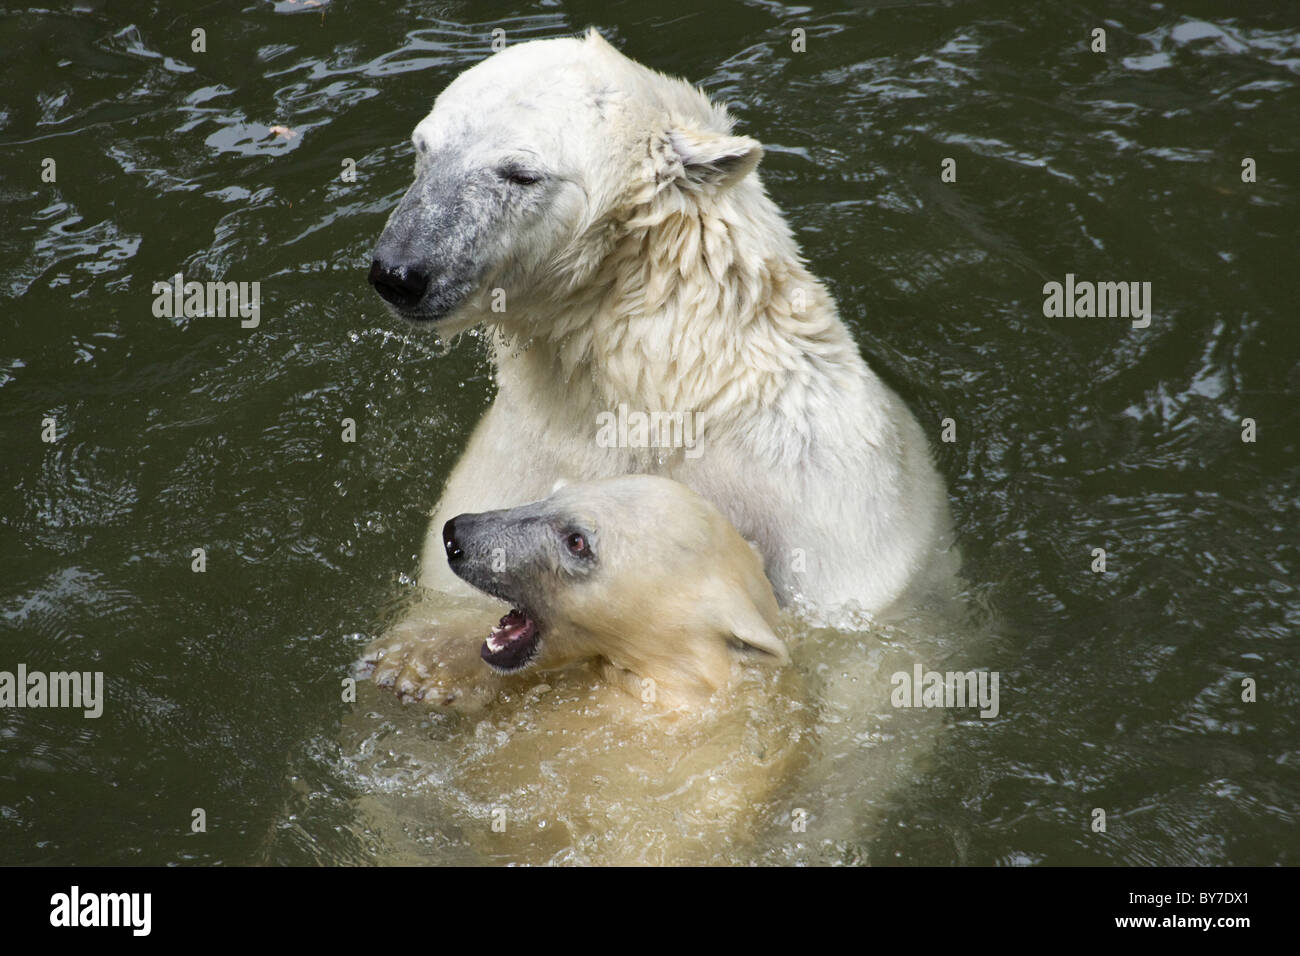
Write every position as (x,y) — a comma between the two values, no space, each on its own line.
(1120,691)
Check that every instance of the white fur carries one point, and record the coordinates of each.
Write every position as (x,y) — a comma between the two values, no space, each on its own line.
(665,278)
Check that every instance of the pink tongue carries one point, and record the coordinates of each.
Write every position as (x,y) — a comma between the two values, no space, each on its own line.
(508,630)
(512,643)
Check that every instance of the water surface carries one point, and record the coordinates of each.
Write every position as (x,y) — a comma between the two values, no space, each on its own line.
(1119,690)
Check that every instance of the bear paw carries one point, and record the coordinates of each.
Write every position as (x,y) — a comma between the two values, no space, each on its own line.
(419,664)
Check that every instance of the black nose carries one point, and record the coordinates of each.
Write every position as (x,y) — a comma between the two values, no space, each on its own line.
(454,553)
(401,285)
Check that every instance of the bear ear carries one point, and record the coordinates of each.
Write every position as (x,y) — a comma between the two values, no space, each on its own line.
(597,39)
(712,159)
(742,622)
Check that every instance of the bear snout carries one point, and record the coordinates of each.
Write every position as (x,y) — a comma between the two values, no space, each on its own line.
(454,552)
(400,284)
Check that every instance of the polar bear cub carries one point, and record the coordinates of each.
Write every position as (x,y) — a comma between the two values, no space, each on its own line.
(647,713)
(637,572)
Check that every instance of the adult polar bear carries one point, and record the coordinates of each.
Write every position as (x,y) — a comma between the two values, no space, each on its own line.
(641,263)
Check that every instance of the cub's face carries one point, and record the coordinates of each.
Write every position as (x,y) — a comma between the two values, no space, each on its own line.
(528,557)
(634,569)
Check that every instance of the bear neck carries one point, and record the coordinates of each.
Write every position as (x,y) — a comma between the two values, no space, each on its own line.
(688,679)
(701,305)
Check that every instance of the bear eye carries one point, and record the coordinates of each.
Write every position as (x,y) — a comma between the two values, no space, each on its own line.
(577,545)
(519,177)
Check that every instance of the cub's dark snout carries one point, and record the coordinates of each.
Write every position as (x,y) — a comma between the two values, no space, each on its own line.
(453,548)
(502,553)
(476,546)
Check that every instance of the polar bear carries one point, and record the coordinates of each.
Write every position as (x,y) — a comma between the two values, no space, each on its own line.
(647,632)
(638,572)
(609,225)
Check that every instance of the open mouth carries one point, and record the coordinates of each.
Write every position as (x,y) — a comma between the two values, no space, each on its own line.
(513,643)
